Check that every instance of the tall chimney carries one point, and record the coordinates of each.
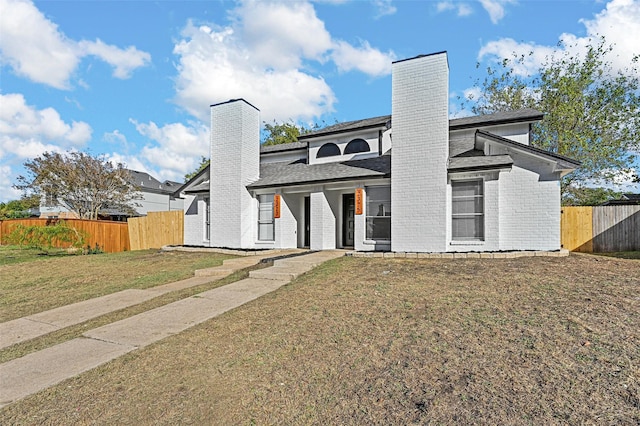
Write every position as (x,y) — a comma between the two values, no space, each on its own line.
(235,163)
(420,117)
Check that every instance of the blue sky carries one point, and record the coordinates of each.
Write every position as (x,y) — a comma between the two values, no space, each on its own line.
(133,80)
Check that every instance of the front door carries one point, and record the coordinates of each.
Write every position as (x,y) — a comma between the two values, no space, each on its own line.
(348,219)
(307,221)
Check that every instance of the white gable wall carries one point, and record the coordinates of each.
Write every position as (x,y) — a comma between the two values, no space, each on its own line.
(194,220)
(529,207)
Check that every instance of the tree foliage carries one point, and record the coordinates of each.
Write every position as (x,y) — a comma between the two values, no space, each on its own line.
(83,184)
(45,238)
(279,133)
(204,162)
(588,196)
(17,209)
(592,113)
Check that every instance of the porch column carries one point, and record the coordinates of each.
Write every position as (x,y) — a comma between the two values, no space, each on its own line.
(323,222)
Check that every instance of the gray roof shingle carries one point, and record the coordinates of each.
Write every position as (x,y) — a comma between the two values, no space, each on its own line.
(300,173)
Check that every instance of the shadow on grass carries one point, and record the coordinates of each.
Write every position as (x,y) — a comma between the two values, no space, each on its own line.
(622,254)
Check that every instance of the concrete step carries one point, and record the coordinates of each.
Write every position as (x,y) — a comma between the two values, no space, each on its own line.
(277,274)
(217,271)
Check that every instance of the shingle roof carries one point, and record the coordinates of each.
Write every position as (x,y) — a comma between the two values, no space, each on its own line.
(479,162)
(562,161)
(265,149)
(201,187)
(299,173)
(348,126)
(526,114)
(148,183)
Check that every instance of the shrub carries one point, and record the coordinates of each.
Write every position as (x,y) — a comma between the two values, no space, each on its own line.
(45,238)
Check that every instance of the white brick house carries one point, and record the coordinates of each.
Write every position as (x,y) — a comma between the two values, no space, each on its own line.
(414,181)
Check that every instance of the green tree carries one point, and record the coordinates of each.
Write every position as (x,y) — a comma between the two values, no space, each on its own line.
(81,183)
(16,209)
(592,113)
(279,133)
(204,162)
(587,196)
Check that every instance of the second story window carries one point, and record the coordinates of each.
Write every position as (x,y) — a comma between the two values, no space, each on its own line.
(356,146)
(328,150)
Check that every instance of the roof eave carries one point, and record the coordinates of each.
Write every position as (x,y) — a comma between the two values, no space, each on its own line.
(316,182)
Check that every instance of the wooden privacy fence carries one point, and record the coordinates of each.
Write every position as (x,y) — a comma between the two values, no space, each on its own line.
(110,236)
(601,229)
(157,229)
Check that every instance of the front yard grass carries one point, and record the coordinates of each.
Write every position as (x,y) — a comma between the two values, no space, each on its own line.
(356,341)
(30,283)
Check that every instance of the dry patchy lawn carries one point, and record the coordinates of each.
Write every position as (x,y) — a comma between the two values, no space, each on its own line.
(382,341)
(38,283)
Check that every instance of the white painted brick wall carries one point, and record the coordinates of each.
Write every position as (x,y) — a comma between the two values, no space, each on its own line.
(194,209)
(286,227)
(530,209)
(420,99)
(235,157)
(323,222)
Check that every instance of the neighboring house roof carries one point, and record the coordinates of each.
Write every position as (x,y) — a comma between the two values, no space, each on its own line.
(147,183)
(300,173)
(627,199)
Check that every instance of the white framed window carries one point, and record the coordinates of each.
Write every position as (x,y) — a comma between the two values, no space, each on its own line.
(378,212)
(265,217)
(207,219)
(467,210)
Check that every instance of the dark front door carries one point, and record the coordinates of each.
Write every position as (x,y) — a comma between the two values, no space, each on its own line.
(307,221)
(348,219)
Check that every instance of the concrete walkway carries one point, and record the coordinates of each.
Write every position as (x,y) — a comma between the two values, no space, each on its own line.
(37,371)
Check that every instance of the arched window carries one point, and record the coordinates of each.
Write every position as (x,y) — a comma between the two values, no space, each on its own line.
(357,145)
(328,150)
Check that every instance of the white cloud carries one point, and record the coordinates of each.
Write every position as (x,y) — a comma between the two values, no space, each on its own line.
(533,55)
(495,8)
(7,192)
(27,132)
(123,61)
(616,22)
(461,9)
(622,181)
(175,149)
(280,35)
(384,8)
(265,55)
(364,58)
(619,23)
(28,40)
